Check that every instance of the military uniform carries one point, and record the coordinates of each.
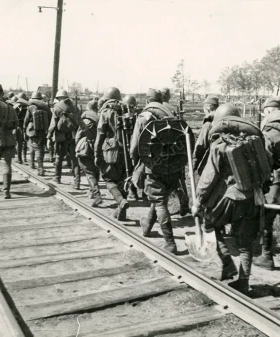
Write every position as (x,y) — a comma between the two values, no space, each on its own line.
(36,139)
(8,125)
(271,130)
(201,149)
(21,110)
(157,187)
(86,160)
(224,203)
(62,132)
(109,141)
(182,188)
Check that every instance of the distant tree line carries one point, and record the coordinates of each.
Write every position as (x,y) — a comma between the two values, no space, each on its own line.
(251,79)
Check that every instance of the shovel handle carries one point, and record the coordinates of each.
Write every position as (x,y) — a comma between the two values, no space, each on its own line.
(191,175)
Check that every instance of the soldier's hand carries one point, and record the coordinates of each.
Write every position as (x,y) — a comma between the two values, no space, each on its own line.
(196,209)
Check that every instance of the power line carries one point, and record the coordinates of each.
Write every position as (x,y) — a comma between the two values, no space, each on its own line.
(13,4)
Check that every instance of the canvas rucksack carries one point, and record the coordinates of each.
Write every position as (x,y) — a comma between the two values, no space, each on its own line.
(162,146)
(248,161)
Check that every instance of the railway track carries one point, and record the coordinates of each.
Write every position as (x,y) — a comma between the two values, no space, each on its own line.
(69,270)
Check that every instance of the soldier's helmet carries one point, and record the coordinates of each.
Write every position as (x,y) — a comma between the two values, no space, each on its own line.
(225,110)
(14,99)
(92,105)
(112,93)
(61,93)
(10,95)
(36,95)
(130,100)
(22,95)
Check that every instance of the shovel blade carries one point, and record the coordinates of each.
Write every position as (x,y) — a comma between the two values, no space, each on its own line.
(204,250)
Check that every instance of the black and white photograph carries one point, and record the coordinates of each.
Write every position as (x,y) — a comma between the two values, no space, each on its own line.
(139,168)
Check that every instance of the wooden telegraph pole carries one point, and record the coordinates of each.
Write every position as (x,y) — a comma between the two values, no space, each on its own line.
(57,48)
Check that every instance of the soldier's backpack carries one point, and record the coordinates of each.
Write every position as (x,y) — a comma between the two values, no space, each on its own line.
(40,119)
(162,146)
(248,161)
(67,121)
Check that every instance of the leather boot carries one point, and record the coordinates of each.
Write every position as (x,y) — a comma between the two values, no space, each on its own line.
(41,171)
(77,178)
(32,158)
(58,170)
(120,213)
(167,232)
(229,270)
(94,191)
(7,178)
(184,202)
(265,260)
(241,285)
(148,223)
(24,153)
(20,158)
(132,193)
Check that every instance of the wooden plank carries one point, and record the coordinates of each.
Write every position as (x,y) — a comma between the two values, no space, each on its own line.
(90,274)
(35,215)
(99,300)
(189,321)
(65,223)
(48,242)
(8,325)
(59,257)
(269,302)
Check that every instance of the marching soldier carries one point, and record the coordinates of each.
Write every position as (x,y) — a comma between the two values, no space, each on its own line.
(131,103)
(35,126)
(201,150)
(227,193)
(8,124)
(21,109)
(181,192)
(158,186)
(62,132)
(108,149)
(85,138)
(271,130)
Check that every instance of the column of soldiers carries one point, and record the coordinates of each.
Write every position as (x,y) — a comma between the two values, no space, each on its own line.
(97,144)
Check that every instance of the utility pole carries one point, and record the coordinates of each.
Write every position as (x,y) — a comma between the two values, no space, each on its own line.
(57,48)
(26,84)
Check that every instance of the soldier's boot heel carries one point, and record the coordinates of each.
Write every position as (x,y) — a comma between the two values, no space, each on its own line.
(265,261)
(96,201)
(58,170)
(120,213)
(148,223)
(241,285)
(7,178)
(167,232)
(229,270)
(132,193)
(77,178)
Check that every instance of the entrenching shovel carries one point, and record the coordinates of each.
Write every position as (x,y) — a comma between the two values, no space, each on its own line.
(202,245)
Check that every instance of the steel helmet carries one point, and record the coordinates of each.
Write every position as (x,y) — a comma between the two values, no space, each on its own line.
(113,93)
(10,95)
(36,95)
(225,110)
(62,93)
(130,100)
(22,95)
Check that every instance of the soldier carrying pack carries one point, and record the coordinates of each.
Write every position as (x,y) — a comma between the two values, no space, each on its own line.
(162,146)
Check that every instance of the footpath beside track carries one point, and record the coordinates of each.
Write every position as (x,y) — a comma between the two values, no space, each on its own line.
(65,272)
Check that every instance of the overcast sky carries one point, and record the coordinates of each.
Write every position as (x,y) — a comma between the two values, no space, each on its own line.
(133,44)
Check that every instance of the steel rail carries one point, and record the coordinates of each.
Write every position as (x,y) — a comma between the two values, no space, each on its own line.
(232,301)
